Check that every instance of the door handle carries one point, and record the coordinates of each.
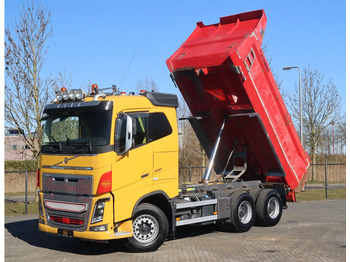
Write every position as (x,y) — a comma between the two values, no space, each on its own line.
(145,175)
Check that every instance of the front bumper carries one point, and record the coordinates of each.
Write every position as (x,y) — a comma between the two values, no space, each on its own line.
(54,220)
(89,235)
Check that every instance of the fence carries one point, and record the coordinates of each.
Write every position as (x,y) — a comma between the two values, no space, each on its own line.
(20,186)
(324,173)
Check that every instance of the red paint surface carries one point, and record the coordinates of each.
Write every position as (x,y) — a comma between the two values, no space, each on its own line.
(203,70)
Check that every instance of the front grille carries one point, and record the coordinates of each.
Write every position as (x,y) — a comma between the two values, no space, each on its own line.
(67,220)
(71,184)
(72,190)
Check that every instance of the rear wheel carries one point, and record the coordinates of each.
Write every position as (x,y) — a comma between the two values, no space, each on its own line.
(150,229)
(243,211)
(268,208)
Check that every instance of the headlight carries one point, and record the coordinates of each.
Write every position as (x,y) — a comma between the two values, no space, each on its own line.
(72,94)
(97,216)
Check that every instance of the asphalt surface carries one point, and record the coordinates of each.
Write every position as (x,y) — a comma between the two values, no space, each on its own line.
(321,186)
(308,231)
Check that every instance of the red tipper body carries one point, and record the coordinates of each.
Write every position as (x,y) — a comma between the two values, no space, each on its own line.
(222,72)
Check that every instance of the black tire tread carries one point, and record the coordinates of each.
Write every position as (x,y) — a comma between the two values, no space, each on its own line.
(262,218)
(236,199)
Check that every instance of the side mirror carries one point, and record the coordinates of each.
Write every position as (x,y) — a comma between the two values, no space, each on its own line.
(124,134)
(129,133)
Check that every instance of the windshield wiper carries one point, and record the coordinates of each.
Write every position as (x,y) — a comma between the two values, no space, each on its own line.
(52,149)
(84,149)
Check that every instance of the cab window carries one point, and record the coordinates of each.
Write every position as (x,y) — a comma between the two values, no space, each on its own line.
(146,128)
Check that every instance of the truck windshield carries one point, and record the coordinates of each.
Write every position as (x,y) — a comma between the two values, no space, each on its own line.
(79,130)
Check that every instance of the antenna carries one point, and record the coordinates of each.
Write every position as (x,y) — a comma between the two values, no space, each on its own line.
(127,70)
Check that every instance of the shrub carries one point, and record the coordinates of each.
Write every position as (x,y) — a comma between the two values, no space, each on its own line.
(21,165)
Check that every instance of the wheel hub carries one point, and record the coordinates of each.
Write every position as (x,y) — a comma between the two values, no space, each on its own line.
(145,228)
(273,207)
(245,212)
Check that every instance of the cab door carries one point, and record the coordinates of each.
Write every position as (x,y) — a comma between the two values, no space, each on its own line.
(133,166)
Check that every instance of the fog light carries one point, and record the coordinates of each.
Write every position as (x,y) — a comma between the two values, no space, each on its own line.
(99,228)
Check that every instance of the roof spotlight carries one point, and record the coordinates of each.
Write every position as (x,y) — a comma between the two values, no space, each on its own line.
(80,94)
(72,94)
(65,95)
(59,96)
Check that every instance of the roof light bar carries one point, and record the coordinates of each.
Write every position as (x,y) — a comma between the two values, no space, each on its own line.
(73,95)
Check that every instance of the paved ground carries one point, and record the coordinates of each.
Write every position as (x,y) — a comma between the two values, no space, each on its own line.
(319,186)
(308,231)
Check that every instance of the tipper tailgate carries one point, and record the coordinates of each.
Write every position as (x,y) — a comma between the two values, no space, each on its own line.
(222,72)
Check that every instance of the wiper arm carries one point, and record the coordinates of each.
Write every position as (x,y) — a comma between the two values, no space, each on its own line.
(59,147)
(52,149)
(90,147)
(86,148)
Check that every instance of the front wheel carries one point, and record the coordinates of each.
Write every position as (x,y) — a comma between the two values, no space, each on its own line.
(150,229)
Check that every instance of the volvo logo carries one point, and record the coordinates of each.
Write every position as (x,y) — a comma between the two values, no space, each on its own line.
(65,161)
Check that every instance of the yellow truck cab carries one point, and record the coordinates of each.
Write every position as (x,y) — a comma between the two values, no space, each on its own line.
(104,156)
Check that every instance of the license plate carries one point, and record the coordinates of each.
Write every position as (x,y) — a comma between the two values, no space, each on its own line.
(65,233)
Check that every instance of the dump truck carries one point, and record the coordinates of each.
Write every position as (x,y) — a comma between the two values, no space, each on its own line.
(109,160)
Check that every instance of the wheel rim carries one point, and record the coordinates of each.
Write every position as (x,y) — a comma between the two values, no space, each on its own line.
(245,212)
(145,228)
(273,208)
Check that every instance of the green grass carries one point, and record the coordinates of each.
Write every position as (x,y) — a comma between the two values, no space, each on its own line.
(320,194)
(31,193)
(12,209)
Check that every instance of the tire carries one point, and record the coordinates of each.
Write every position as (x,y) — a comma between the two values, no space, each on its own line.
(268,208)
(243,211)
(150,228)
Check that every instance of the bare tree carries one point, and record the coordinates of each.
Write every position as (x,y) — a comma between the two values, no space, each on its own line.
(147,84)
(321,107)
(191,152)
(278,80)
(63,79)
(341,134)
(26,92)
(325,142)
